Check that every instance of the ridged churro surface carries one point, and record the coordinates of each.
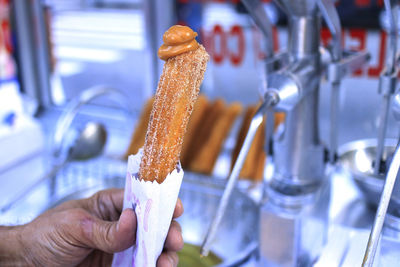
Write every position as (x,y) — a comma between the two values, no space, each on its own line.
(212,113)
(253,167)
(194,127)
(177,91)
(205,159)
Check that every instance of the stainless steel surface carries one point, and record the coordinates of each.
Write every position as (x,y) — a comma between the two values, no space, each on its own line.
(331,17)
(396,106)
(357,158)
(222,207)
(388,79)
(391,10)
(382,209)
(387,85)
(257,12)
(296,8)
(285,220)
(296,195)
(382,133)
(297,85)
(89,144)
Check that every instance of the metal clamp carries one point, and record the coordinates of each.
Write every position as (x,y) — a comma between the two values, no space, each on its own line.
(388,82)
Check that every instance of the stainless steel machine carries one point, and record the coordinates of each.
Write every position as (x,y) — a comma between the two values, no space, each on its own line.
(294,211)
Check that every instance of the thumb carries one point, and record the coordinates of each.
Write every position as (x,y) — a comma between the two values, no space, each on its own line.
(116,236)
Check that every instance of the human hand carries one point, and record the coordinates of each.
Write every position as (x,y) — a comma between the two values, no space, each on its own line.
(87,232)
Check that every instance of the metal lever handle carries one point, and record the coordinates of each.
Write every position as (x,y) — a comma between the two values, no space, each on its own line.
(332,20)
(352,61)
(257,12)
(375,234)
(271,100)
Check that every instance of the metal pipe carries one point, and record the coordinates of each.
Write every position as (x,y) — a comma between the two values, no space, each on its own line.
(270,101)
(388,90)
(33,50)
(333,134)
(382,133)
(303,39)
(391,9)
(332,20)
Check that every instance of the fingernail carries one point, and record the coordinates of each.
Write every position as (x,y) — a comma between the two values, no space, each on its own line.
(119,221)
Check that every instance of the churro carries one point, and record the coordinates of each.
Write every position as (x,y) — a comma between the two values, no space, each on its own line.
(250,163)
(139,134)
(253,167)
(194,127)
(177,91)
(213,111)
(206,157)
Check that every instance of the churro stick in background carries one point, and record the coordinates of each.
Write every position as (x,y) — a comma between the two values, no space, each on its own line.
(253,167)
(248,114)
(176,94)
(212,112)
(139,134)
(250,164)
(193,128)
(206,157)
(257,155)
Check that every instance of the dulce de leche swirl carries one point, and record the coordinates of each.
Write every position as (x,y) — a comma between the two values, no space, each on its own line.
(177,40)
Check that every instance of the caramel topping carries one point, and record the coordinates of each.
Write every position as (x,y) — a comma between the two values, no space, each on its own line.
(177,40)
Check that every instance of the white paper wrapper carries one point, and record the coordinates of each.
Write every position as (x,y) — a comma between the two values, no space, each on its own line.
(154,205)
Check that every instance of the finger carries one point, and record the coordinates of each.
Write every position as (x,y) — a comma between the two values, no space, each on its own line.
(178,209)
(111,237)
(106,204)
(168,259)
(174,240)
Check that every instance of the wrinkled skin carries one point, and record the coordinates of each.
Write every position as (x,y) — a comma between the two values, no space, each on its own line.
(87,232)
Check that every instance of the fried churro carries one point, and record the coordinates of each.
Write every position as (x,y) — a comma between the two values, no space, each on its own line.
(177,91)
(139,134)
(207,155)
(194,127)
(213,111)
(253,167)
